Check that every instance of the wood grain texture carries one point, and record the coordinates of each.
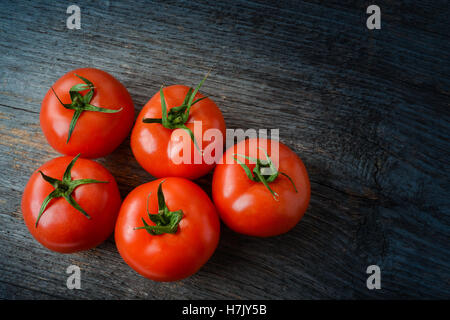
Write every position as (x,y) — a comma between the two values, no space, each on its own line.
(367,111)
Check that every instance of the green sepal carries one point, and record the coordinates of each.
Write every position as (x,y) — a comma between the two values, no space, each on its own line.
(262,179)
(74,204)
(191,98)
(284,174)
(247,170)
(52,181)
(191,134)
(90,107)
(79,87)
(73,122)
(54,194)
(86,81)
(65,105)
(67,176)
(186,100)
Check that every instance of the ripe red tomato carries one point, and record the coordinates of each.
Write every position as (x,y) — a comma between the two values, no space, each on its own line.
(89,122)
(154,144)
(84,207)
(186,235)
(252,208)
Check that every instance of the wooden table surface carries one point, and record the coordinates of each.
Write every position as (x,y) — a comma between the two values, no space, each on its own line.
(366,110)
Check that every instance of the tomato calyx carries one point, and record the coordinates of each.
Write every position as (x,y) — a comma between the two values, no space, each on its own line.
(264,171)
(64,189)
(178,116)
(81,103)
(166,221)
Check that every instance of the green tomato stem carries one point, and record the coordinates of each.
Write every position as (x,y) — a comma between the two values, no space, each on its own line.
(64,189)
(166,221)
(257,175)
(81,103)
(178,116)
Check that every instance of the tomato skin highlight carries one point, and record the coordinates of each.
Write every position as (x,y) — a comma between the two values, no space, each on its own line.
(96,134)
(152,145)
(248,207)
(62,228)
(168,257)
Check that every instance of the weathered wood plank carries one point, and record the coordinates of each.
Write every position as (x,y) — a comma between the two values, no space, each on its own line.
(368,112)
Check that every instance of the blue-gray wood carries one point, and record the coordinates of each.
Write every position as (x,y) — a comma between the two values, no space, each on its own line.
(367,111)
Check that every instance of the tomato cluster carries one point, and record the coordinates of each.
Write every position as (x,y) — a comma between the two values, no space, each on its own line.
(166,229)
